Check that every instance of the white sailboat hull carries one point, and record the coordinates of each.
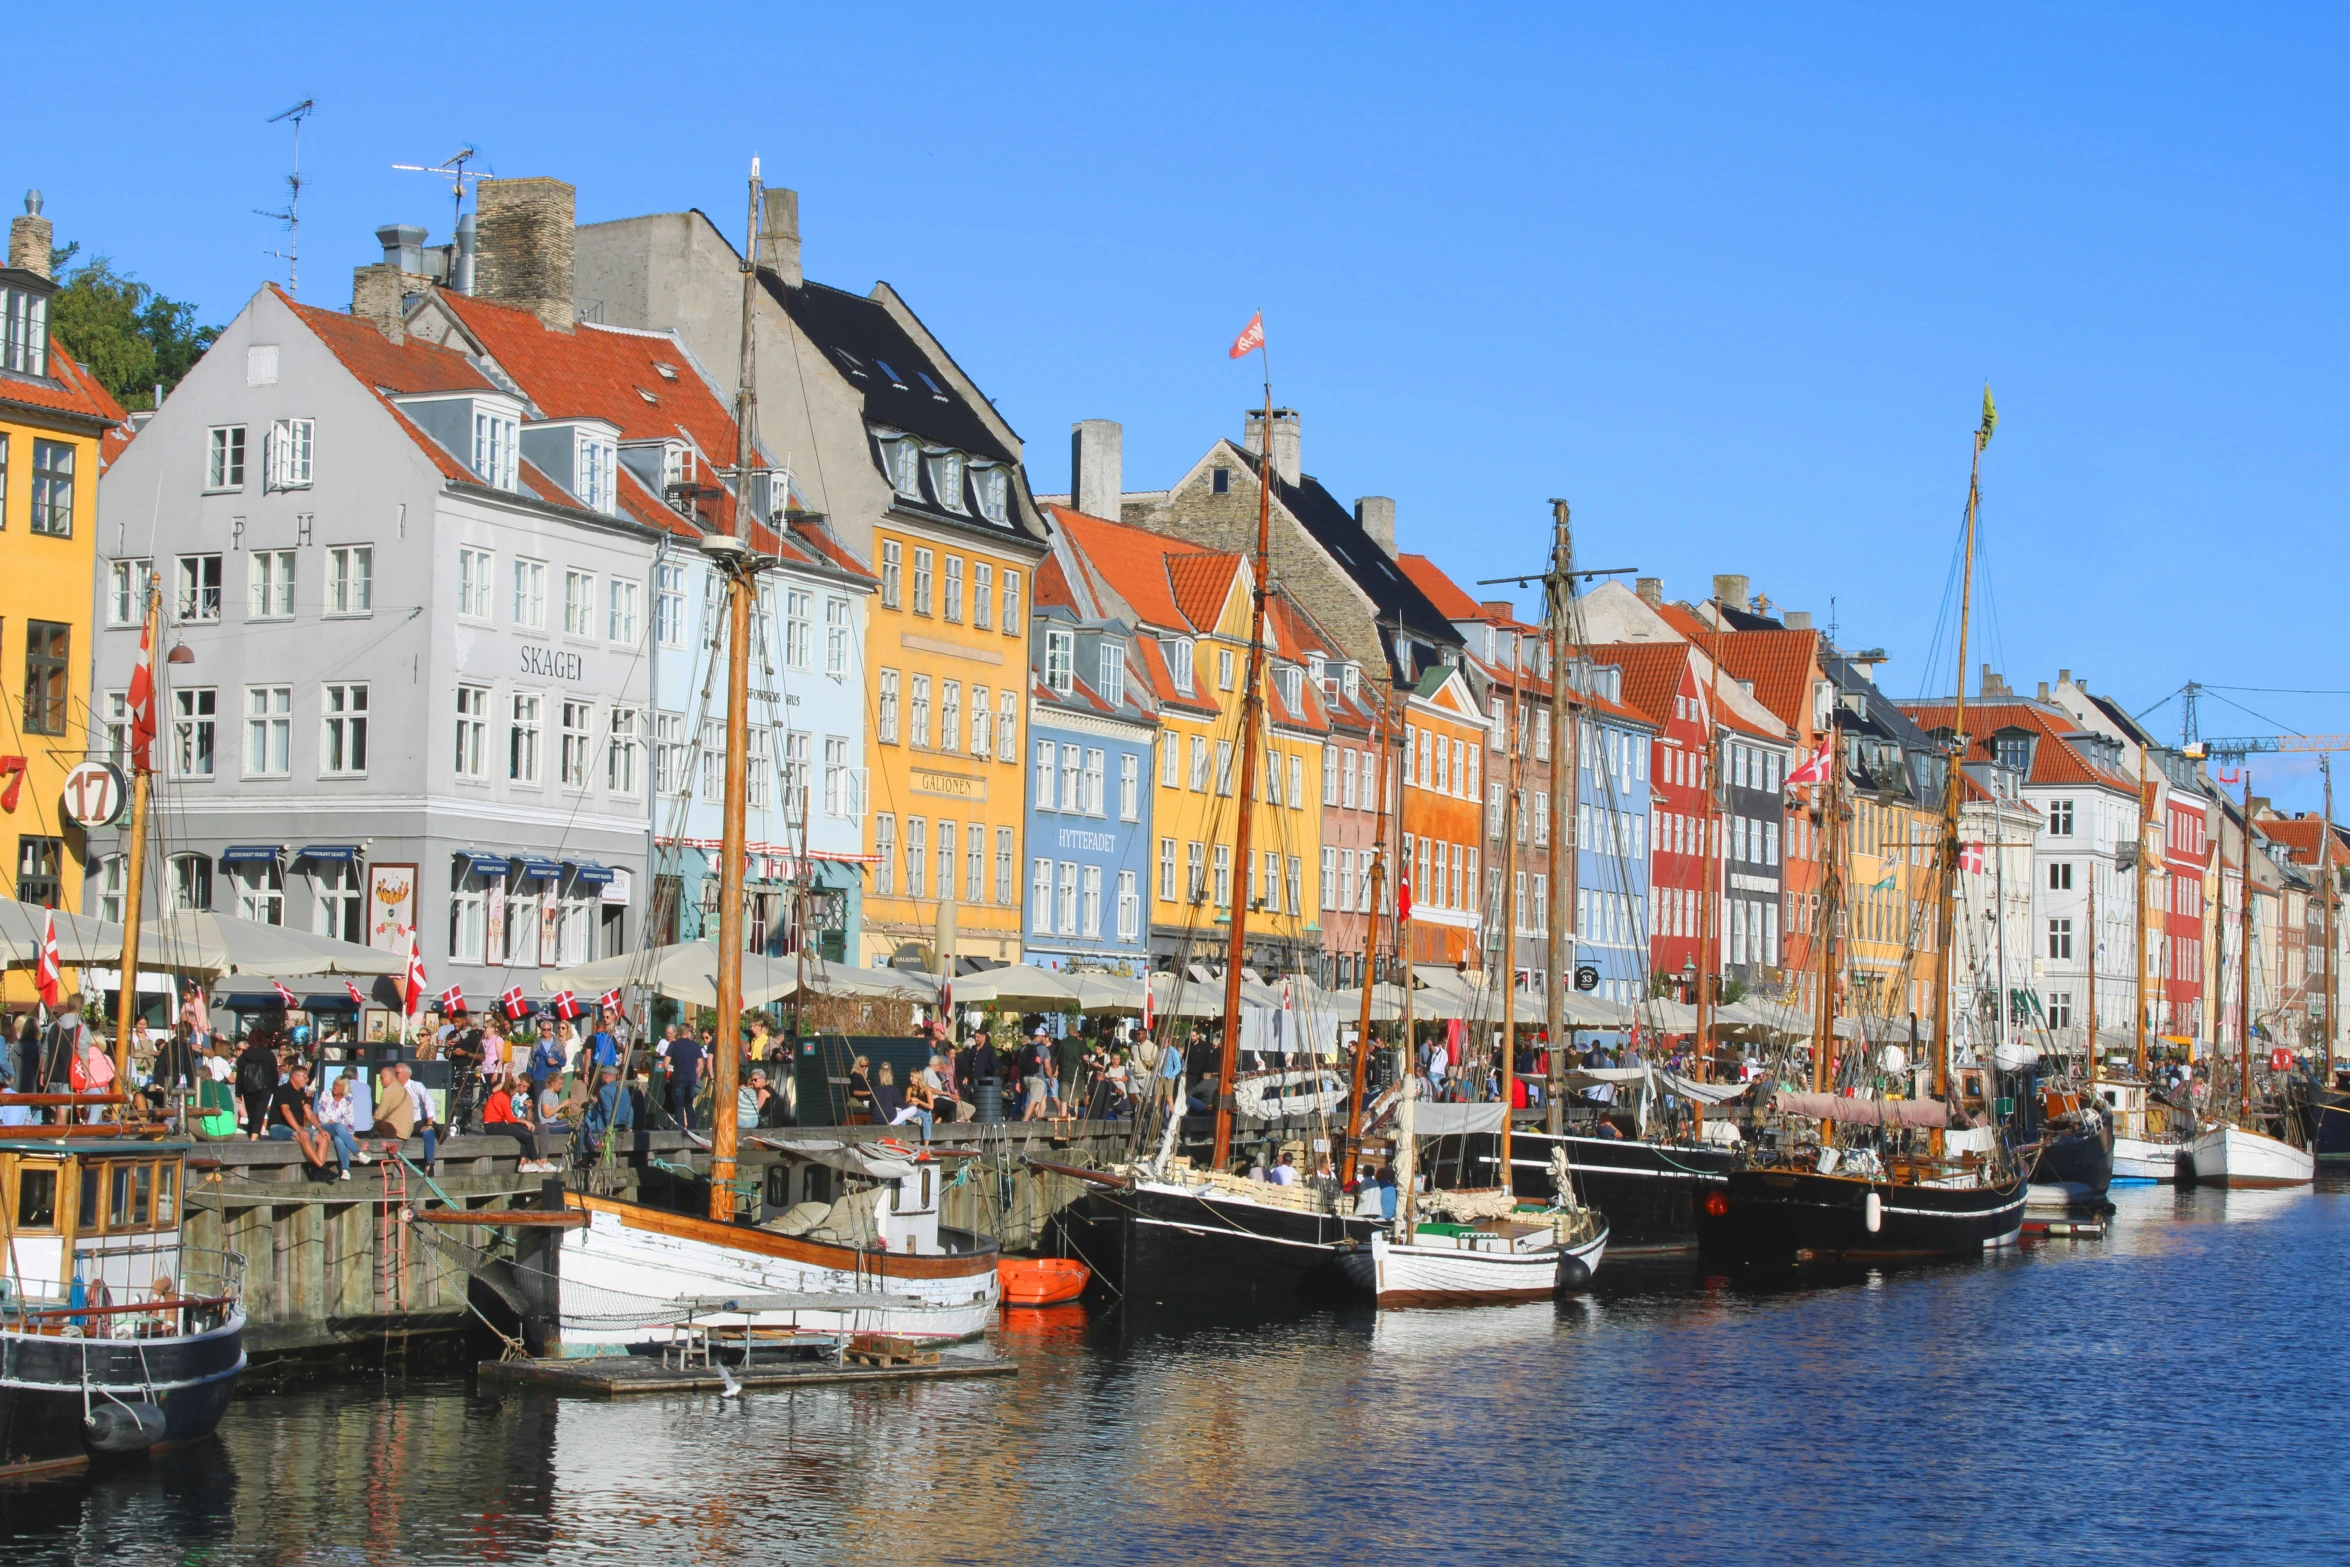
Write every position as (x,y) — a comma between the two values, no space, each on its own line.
(624,1283)
(2136,1159)
(2231,1156)
(1440,1271)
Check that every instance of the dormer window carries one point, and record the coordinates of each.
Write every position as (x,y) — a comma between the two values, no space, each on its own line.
(1319,667)
(1060,660)
(24,331)
(946,480)
(901,458)
(1350,680)
(677,465)
(497,442)
(992,485)
(1179,663)
(596,461)
(1113,681)
(666,372)
(1292,683)
(2013,752)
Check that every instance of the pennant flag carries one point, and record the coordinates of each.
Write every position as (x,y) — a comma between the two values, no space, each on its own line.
(1150,997)
(566,1005)
(1403,896)
(1812,769)
(1252,336)
(141,700)
(1970,858)
(516,1007)
(283,994)
(610,998)
(357,999)
(412,988)
(1882,884)
(47,977)
(453,999)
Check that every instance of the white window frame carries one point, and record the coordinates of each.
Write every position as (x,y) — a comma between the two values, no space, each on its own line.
(472,733)
(269,731)
(669,604)
(526,731)
(197,602)
(621,598)
(292,453)
(342,729)
(195,731)
(477,577)
(530,593)
(224,459)
(579,602)
(350,580)
(269,585)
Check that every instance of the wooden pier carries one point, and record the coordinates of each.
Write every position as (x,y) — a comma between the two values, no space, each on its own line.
(617,1376)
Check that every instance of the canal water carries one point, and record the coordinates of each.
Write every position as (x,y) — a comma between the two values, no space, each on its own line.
(2173,1393)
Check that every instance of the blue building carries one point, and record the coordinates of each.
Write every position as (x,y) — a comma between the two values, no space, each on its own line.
(1091,730)
(1612,904)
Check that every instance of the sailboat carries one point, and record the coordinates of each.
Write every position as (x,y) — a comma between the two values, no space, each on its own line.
(2238,1152)
(2144,1131)
(1867,1191)
(869,1257)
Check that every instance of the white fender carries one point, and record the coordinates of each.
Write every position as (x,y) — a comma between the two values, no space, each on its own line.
(1872,1212)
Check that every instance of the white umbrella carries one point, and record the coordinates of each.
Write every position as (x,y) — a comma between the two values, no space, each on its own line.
(80,938)
(688,971)
(224,944)
(1015,982)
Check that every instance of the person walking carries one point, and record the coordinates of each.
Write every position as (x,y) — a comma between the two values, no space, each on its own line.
(256,1083)
(685,1076)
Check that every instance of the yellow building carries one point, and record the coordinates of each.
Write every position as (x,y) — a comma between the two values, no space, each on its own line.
(53,418)
(947,682)
(1893,955)
(1190,609)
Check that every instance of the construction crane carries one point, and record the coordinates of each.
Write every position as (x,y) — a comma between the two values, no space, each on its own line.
(2239,748)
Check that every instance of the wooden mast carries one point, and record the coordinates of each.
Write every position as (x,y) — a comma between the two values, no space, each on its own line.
(135,861)
(2145,812)
(2244,963)
(1946,910)
(731,554)
(1509,918)
(1251,707)
(1831,901)
(2092,974)
(2325,868)
(1354,1102)
(1558,587)
(1715,780)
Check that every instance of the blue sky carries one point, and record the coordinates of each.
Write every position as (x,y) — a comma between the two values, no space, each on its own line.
(1730,280)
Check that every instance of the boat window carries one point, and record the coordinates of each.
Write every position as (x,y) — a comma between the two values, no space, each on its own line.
(118,1204)
(167,1180)
(926,1174)
(816,1185)
(36,1199)
(897,1196)
(142,1192)
(90,1177)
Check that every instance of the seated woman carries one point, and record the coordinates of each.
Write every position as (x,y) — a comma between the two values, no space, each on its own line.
(766,1108)
(890,1107)
(507,1114)
(861,1092)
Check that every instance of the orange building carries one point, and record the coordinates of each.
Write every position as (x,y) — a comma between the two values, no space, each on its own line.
(1443,785)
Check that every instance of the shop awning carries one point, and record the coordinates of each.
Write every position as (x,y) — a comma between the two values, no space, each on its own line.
(328,853)
(588,873)
(482,862)
(534,867)
(252,853)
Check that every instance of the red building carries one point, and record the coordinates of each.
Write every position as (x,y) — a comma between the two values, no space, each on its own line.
(1660,685)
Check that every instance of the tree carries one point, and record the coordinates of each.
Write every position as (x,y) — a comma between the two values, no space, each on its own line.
(127,335)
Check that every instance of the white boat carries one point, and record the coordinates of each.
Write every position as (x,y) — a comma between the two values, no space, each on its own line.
(2232,1156)
(2145,1147)
(2137,1159)
(875,1261)
(1471,1265)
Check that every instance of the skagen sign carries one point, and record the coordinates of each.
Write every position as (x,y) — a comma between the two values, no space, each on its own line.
(955,786)
(546,663)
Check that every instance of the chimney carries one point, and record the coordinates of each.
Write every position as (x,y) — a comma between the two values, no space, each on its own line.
(1375,514)
(1651,591)
(461,264)
(1796,620)
(1730,590)
(28,237)
(1498,609)
(525,236)
(379,294)
(779,239)
(2043,690)
(1286,450)
(2064,677)
(1994,684)
(1096,466)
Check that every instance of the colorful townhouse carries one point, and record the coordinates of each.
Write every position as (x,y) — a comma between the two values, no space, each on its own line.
(1443,819)
(53,418)
(1659,688)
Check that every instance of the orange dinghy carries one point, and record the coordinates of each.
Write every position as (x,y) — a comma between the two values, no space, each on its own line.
(1041,1281)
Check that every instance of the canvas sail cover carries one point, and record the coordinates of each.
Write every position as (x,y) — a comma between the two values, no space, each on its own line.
(1863,1112)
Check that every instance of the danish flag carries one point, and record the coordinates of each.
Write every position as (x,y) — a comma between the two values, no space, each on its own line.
(453,999)
(516,1007)
(1252,336)
(412,988)
(284,994)
(1970,858)
(566,1005)
(610,998)
(141,700)
(357,999)
(46,977)
(1813,768)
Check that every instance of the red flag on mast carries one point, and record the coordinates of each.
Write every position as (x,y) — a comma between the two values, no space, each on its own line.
(47,976)
(141,700)
(412,988)
(1251,338)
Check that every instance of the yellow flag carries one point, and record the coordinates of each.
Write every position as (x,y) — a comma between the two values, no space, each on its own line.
(1990,415)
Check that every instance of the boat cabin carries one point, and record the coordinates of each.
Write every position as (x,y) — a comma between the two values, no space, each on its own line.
(862,1194)
(105,1215)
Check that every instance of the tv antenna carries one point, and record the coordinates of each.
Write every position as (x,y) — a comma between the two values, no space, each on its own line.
(454,167)
(292,216)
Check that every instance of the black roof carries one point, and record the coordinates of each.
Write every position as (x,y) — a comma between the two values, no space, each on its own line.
(1396,598)
(903,387)
(1747,620)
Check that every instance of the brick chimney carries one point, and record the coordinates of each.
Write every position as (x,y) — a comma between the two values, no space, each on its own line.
(525,246)
(29,237)
(1994,685)
(1287,450)
(1651,591)
(379,293)
(779,237)
(1498,609)
(1096,467)
(1796,620)
(1730,590)
(1375,514)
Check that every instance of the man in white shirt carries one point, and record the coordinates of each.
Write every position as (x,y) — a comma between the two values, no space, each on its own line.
(1284,1173)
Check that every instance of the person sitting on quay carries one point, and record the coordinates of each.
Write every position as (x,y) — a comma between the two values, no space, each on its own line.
(403,1110)
(612,1110)
(890,1107)
(337,1115)
(861,1092)
(291,1120)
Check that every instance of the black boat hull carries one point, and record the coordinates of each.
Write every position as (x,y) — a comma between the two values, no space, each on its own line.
(2082,1160)
(1788,1216)
(1649,1193)
(42,1396)
(2329,1131)
(1150,1245)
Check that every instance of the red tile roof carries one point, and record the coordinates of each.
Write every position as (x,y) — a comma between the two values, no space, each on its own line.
(1653,674)
(642,382)
(1132,562)
(1201,584)
(2302,836)
(2053,760)
(1439,589)
(77,392)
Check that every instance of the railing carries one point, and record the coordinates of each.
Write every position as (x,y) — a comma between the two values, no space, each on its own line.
(204,1295)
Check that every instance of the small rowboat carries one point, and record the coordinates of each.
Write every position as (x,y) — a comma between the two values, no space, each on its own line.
(1041,1281)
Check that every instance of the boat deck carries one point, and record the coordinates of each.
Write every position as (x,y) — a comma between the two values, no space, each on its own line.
(617,1376)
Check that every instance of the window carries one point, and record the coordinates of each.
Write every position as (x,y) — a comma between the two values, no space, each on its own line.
(953,606)
(468,913)
(529,717)
(2060,818)
(1129,787)
(983,595)
(620,600)
(892,565)
(199,588)
(836,638)
(40,864)
(193,715)
(53,488)
(592,468)
(2060,938)
(668,604)
(1223,669)
(579,604)
(1223,767)
(1223,875)
(620,759)
(799,611)
(992,485)
(1220,481)
(24,331)
(578,743)
(530,594)
(1113,683)
(1179,663)
(474,571)
(1011,602)
(47,646)
(473,731)
(1040,897)
(2060,876)
(671,754)
(269,731)
(495,439)
(1068,899)
(110,888)
(1003,866)
(1094,782)
(342,738)
(126,592)
(350,579)
(756,755)
(1297,782)
(1072,777)
(191,883)
(1044,775)
(923,574)
(2060,1008)
(1194,870)
(982,724)
(1007,724)
(950,715)
(885,846)
(1130,906)
(921,711)
(1167,868)
(1199,764)
(1331,873)
(1170,759)
(713,760)
(844,792)
(1295,883)
(917,854)
(269,585)
(1089,901)
(1060,659)
(261,892)
(886,716)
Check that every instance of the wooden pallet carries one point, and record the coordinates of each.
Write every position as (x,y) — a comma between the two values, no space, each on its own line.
(887,1349)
